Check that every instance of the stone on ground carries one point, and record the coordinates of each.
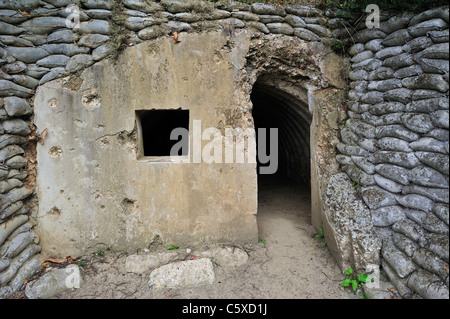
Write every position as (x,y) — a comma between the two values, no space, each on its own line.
(226,256)
(188,273)
(140,264)
(54,282)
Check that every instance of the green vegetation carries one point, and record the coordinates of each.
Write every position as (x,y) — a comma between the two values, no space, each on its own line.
(262,241)
(101,252)
(337,46)
(172,247)
(355,281)
(321,235)
(356,183)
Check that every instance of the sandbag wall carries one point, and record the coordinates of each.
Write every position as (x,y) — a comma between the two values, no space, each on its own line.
(395,145)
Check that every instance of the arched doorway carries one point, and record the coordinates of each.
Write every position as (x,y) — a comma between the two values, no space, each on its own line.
(300,86)
(274,108)
(284,198)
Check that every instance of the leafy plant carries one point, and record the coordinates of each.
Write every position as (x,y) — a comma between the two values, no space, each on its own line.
(172,247)
(337,46)
(321,235)
(262,241)
(355,281)
(82,263)
(343,14)
(101,252)
(356,181)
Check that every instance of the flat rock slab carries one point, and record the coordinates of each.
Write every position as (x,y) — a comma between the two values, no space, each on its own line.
(140,264)
(54,282)
(225,256)
(188,273)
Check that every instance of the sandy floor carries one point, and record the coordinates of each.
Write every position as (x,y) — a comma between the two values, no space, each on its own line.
(292,263)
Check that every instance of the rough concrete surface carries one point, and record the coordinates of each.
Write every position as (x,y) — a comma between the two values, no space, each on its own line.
(292,263)
(93,176)
(92,173)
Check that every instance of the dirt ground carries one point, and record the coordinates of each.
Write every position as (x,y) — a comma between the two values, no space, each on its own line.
(292,264)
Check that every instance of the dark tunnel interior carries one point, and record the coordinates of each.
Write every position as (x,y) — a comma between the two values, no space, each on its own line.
(273,108)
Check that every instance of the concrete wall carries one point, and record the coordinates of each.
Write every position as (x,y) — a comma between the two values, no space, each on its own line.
(92,189)
(97,192)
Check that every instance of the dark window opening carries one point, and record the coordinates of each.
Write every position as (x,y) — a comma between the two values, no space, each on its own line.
(157,126)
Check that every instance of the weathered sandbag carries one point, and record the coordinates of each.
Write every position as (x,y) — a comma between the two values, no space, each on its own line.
(418,122)
(396,130)
(434,66)
(407,160)
(401,95)
(397,38)
(426,81)
(428,177)
(387,107)
(424,27)
(394,144)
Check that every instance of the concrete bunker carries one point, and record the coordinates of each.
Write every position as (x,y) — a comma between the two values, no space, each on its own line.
(87,168)
(116,195)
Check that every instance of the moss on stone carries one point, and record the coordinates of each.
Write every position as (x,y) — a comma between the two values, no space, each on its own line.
(117,27)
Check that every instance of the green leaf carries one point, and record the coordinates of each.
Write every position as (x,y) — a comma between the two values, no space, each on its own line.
(354,285)
(349,271)
(320,234)
(364,278)
(346,282)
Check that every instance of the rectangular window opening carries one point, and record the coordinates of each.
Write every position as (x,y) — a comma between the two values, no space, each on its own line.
(156,127)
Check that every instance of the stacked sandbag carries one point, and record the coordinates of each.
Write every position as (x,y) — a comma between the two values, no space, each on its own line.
(36,46)
(395,144)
